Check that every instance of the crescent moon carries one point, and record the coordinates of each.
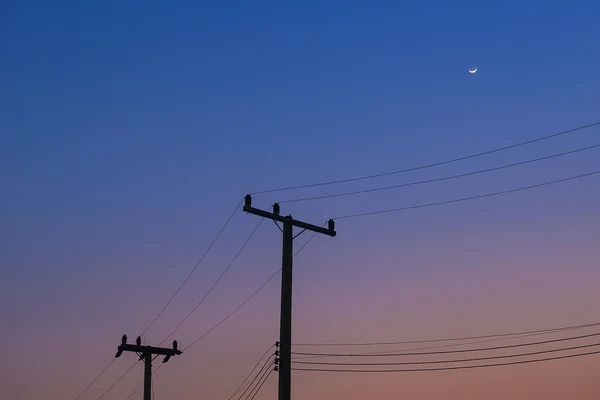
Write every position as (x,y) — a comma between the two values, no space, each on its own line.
(472,71)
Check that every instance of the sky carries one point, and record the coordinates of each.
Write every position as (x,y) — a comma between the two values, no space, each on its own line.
(130,131)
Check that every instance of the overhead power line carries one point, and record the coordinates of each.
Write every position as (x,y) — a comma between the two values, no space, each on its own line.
(187,279)
(452,339)
(453,344)
(95,379)
(448,368)
(251,372)
(195,267)
(467,198)
(451,351)
(248,298)
(533,353)
(263,370)
(172,297)
(334,182)
(260,385)
(214,284)
(242,304)
(117,381)
(445,178)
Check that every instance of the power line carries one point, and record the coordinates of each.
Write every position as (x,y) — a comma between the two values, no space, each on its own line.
(195,267)
(505,338)
(247,299)
(214,284)
(264,369)
(451,351)
(451,368)
(282,189)
(182,285)
(261,384)
(252,371)
(117,381)
(234,311)
(453,338)
(95,379)
(468,198)
(450,361)
(378,189)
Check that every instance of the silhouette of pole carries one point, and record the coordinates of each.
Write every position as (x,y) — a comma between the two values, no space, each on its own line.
(285,321)
(147,376)
(285,324)
(145,353)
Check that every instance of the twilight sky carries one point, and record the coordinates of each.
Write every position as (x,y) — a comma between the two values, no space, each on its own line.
(129,132)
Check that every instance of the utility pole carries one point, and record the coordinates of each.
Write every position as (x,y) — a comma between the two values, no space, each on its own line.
(145,353)
(285,323)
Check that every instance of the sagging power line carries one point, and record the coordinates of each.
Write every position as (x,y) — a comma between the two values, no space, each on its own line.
(445,178)
(532,353)
(451,351)
(449,368)
(268,352)
(451,339)
(425,166)
(231,314)
(481,196)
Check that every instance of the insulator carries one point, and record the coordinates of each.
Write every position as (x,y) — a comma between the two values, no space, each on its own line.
(248,200)
(138,341)
(124,339)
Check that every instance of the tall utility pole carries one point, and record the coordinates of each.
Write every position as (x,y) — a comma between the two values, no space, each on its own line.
(145,353)
(285,324)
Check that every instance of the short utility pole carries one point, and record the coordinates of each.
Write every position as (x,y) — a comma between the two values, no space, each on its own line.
(145,353)
(285,324)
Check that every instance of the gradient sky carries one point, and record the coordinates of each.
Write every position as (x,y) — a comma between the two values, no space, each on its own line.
(129,132)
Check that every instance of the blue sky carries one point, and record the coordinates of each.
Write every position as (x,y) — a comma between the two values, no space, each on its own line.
(128,131)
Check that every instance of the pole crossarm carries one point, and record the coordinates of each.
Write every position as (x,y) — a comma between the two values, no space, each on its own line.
(275,216)
(162,351)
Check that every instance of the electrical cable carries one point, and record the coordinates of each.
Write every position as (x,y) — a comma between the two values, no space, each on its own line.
(266,366)
(451,361)
(453,351)
(261,384)
(251,372)
(247,299)
(95,379)
(452,368)
(445,178)
(214,284)
(505,338)
(282,189)
(453,339)
(548,183)
(187,279)
(117,381)
(235,310)
(195,267)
